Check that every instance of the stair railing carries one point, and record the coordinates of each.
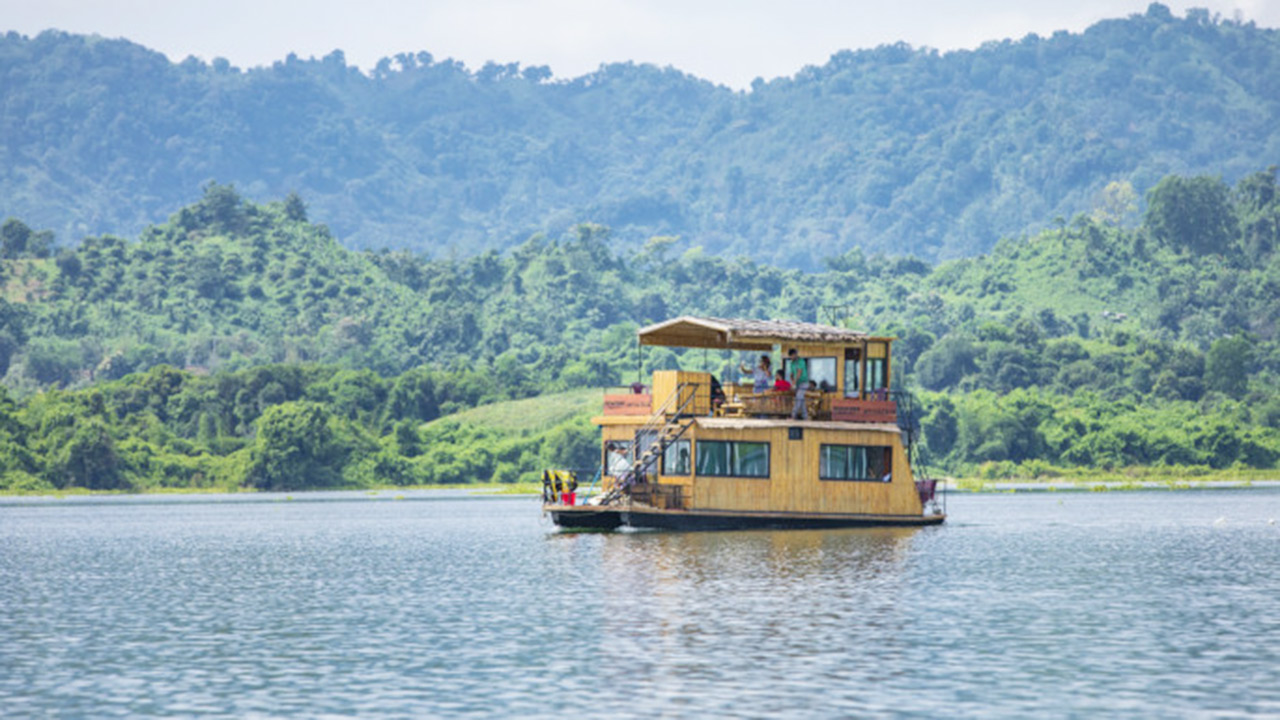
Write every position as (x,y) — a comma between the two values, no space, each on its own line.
(669,422)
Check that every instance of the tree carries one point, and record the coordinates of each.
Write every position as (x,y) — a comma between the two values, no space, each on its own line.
(1006,367)
(296,447)
(14,236)
(69,264)
(1117,204)
(1258,200)
(947,362)
(407,440)
(294,208)
(1191,214)
(221,207)
(89,459)
(571,446)
(412,397)
(1227,364)
(940,428)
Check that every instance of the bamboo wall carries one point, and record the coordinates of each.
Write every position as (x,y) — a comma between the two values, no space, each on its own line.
(698,385)
(794,485)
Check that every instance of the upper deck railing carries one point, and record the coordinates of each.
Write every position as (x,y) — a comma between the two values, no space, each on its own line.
(882,406)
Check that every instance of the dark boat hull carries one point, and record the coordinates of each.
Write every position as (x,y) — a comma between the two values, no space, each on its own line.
(594,518)
(585,517)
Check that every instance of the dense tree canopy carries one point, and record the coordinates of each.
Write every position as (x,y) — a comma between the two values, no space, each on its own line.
(894,149)
(239,345)
(1192,213)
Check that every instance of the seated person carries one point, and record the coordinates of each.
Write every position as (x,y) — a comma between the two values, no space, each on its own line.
(781,382)
(717,393)
(619,463)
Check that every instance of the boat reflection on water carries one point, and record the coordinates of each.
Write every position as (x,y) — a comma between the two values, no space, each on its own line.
(776,558)
(679,609)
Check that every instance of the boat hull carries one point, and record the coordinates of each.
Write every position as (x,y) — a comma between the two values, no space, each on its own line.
(594,518)
(584,517)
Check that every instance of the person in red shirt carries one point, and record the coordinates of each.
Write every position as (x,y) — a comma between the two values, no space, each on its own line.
(781,383)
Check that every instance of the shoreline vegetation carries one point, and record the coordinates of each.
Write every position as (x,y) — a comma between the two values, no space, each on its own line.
(399,327)
(1129,479)
(240,346)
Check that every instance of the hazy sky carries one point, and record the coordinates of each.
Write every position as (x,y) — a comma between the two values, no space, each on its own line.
(728,41)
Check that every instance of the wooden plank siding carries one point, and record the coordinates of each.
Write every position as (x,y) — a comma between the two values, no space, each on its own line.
(698,385)
(793,485)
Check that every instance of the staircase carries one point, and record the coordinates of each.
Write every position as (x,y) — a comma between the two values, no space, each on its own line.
(669,423)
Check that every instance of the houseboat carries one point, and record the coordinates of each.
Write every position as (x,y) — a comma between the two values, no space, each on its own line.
(685,452)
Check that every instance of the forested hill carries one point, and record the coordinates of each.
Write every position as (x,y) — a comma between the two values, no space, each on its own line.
(895,149)
(226,284)
(300,362)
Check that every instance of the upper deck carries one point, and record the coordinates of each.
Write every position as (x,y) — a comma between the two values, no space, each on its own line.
(849,372)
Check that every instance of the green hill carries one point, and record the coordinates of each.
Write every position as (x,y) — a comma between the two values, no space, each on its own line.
(1095,345)
(895,149)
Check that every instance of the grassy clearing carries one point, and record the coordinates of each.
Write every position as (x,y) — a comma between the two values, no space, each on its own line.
(536,414)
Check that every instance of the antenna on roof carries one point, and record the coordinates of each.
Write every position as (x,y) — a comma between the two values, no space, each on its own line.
(837,315)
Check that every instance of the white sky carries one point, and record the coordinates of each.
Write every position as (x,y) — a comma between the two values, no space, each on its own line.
(727,41)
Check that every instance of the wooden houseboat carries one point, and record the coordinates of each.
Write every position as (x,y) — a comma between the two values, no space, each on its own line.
(684,453)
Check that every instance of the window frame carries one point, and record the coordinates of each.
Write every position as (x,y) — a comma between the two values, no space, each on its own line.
(852,373)
(886,450)
(833,386)
(733,460)
(666,471)
(877,380)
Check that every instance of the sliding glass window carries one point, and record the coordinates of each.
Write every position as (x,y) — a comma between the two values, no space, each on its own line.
(733,459)
(675,460)
(855,462)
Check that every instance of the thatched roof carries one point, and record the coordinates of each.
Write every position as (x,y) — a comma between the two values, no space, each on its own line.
(737,334)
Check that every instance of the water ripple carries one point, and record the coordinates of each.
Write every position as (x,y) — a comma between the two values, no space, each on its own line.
(1143,604)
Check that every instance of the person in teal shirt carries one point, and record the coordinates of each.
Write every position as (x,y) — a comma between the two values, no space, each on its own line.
(800,381)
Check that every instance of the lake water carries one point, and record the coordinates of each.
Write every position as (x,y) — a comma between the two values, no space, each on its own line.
(1144,604)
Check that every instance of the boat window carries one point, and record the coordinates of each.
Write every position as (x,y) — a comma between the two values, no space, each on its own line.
(852,372)
(877,378)
(855,462)
(733,459)
(822,370)
(676,460)
(617,457)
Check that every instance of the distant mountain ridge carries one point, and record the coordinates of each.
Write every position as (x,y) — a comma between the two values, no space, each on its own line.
(895,149)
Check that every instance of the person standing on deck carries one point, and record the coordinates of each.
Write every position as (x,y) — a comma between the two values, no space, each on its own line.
(800,381)
(761,375)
